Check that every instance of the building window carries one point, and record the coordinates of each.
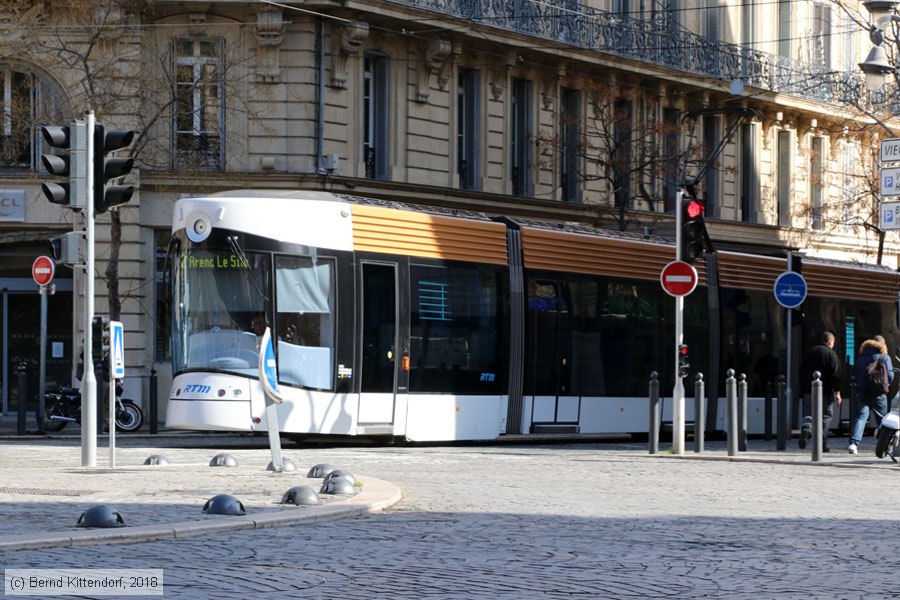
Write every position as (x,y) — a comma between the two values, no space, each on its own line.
(711,140)
(570,141)
(375,116)
(749,175)
(162,319)
(520,142)
(622,151)
(784,178)
(816,182)
(849,186)
(820,44)
(27,101)
(785,29)
(468,138)
(199,121)
(711,19)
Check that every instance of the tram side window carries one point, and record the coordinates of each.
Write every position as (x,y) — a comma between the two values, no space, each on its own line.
(457,334)
(304,321)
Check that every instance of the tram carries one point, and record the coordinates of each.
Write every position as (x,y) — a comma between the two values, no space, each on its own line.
(397,321)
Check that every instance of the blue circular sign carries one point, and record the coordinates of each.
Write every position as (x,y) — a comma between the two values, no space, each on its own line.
(790,289)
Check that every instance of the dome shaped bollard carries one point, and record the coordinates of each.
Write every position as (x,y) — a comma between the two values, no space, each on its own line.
(224,504)
(340,474)
(301,495)
(100,516)
(319,471)
(287,465)
(156,459)
(223,460)
(339,486)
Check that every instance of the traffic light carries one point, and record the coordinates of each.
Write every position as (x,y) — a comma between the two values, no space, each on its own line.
(73,165)
(684,361)
(65,248)
(99,338)
(693,230)
(107,168)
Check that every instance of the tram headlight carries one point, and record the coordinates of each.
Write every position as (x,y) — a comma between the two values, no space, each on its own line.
(198,226)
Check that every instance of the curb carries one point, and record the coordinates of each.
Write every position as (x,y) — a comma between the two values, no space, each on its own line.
(377,495)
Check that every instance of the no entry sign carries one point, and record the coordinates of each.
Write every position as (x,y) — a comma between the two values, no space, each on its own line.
(678,278)
(43,270)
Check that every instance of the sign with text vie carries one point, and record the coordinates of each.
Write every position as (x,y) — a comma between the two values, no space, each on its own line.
(890,150)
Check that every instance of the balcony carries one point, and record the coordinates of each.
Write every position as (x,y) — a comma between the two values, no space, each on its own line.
(656,43)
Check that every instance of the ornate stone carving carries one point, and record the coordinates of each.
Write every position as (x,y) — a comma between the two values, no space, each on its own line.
(270,31)
(16,17)
(499,74)
(436,53)
(351,37)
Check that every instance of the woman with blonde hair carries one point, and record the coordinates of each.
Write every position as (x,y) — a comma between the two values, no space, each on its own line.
(871,395)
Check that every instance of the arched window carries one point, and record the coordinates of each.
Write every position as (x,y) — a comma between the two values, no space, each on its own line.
(27,101)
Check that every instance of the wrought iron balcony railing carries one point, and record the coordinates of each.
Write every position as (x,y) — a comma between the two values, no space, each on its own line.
(658,43)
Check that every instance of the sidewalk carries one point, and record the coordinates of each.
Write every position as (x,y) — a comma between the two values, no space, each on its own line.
(44,490)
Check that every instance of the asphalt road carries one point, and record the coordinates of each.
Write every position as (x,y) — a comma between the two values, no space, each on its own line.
(552,521)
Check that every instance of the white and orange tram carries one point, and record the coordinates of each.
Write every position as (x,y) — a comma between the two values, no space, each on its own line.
(436,325)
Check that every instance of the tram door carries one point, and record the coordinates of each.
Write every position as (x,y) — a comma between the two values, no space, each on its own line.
(548,361)
(380,357)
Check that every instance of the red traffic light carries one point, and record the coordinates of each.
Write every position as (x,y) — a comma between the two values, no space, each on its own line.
(683,349)
(694,209)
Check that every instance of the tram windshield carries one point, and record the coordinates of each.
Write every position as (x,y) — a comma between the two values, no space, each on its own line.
(221,310)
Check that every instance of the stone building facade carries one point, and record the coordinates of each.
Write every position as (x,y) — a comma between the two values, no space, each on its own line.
(590,112)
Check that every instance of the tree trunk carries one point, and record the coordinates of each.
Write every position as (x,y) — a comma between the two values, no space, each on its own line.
(112,267)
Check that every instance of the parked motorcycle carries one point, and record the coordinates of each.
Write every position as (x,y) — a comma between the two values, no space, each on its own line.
(887,440)
(63,405)
(887,436)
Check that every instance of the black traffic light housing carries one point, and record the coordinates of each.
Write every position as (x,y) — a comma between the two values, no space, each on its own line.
(107,167)
(684,361)
(72,165)
(693,229)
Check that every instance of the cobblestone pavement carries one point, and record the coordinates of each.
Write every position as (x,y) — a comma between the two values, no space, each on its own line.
(552,521)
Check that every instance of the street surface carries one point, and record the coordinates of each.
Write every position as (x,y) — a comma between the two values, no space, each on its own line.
(551,521)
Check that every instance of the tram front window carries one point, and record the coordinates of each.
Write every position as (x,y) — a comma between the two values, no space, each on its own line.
(220,310)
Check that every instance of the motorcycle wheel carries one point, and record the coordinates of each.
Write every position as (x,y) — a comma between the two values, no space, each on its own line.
(885,436)
(53,424)
(129,417)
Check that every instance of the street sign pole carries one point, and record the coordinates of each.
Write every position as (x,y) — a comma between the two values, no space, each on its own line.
(790,312)
(89,380)
(42,369)
(678,390)
(42,271)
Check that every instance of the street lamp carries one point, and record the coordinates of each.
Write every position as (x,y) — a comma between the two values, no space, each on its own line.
(877,66)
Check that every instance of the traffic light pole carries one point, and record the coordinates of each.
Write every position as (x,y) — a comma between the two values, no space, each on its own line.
(678,391)
(89,379)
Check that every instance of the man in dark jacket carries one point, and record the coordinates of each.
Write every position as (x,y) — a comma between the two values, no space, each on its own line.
(824,359)
(869,352)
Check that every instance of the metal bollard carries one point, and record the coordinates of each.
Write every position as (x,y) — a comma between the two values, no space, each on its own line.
(154,417)
(654,413)
(768,411)
(781,444)
(742,412)
(22,381)
(699,412)
(731,410)
(816,417)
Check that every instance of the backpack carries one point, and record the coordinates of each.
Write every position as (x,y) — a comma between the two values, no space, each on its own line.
(877,380)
